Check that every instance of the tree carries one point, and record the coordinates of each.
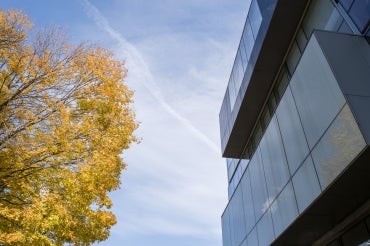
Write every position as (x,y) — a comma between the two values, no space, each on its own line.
(65,117)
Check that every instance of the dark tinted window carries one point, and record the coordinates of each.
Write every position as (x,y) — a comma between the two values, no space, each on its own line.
(360,14)
(359,11)
(334,243)
(356,235)
(346,4)
(368,222)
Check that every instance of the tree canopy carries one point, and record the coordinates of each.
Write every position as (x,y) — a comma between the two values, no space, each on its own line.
(65,117)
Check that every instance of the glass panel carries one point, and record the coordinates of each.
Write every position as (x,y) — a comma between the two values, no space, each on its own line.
(230,169)
(316,92)
(292,133)
(237,216)
(258,184)
(265,118)
(238,71)
(282,84)
(293,57)
(230,191)
(284,210)
(232,165)
(272,103)
(226,229)
(334,20)
(257,135)
(250,219)
(244,164)
(306,184)
(344,28)
(334,243)
(248,38)
(356,235)
(243,56)
(360,14)
(231,225)
(274,161)
(232,93)
(265,230)
(317,16)
(252,238)
(301,40)
(225,111)
(346,3)
(244,243)
(255,18)
(338,147)
(237,77)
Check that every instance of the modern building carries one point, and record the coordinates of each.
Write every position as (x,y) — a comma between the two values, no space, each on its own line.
(295,126)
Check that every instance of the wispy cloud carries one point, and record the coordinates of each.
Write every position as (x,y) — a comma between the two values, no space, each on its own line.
(137,65)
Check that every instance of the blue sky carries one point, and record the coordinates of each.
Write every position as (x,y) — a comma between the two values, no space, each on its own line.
(179,54)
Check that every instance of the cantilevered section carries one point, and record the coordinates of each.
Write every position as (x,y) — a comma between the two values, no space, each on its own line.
(280,19)
(346,200)
(350,191)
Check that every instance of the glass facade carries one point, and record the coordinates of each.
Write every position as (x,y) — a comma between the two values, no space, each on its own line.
(242,64)
(359,11)
(293,137)
(320,15)
(250,32)
(299,154)
(341,143)
(305,137)
(306,184)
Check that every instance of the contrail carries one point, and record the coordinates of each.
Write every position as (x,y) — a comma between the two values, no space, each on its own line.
(140,68)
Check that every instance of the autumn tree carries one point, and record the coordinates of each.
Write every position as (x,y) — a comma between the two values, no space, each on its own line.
(65,117)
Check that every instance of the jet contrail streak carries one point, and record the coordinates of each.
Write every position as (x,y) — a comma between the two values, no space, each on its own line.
(140,68)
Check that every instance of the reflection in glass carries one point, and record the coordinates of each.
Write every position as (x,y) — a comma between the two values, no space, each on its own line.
(237,216)
(338,147)
(273,158)
(226,229)
(360,14)
(250,219)
(265,230)
(314,82)
(344,28)
(244,164)
(292,133)
(284,210)
(317,16)
(334,21)
(247,38)
(258,184)
(255,18)
(252,25)
(252,237)
(306,184)
(244,243)
(346,4)
(243,56)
